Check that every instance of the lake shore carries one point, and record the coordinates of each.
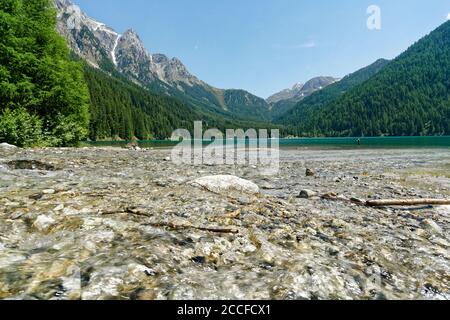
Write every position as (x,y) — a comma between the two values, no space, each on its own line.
(111,223)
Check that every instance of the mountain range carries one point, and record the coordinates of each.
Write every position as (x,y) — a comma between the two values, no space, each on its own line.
(406,96)
(409,95)
(329,94)
(285,100)
(106,49)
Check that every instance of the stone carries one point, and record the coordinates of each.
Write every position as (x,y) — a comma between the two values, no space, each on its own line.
(7,146)
(310,173)
(306,194)
(225,183)
(431,226)
(59,207)
(30,165)
(44,222)
(48,191)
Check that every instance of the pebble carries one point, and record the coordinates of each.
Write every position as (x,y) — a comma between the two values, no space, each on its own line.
(44,222)
(431,226)
(311,249)
(306,193)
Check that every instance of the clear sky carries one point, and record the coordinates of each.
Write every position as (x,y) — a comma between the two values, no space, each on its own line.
(264,46)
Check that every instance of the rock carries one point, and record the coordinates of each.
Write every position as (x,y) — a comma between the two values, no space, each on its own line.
(443,210)
(44,222)
(306,194)
(431,226)
(133,146)
(244,200)
(167,159)
(310,173)
(59,207)
(7,146)
(70,211)
(48,191)
(30,165)
(224,183)
(36,196)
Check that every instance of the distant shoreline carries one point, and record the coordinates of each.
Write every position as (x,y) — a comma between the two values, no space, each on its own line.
(371,142)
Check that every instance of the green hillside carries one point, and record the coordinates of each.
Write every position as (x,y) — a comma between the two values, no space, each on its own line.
(410,96)
(330,93)
(121,109)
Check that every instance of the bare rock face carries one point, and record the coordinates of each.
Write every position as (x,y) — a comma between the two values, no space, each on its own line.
(300,91)
(225,183)
(90,39)
(103,47)
(97,43)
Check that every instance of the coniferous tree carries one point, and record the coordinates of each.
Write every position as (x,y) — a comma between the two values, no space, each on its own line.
(37,76)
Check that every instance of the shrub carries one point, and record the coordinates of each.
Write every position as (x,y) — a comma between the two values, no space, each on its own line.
(21,128)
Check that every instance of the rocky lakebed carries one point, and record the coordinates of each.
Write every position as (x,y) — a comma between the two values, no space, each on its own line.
(113,223)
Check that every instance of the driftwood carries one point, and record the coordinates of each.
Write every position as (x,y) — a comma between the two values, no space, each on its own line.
(408,202)
(388,202)
(185,226)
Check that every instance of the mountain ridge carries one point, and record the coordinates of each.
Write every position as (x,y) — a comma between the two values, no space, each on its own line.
(125,53)
(333,91)
(410,96)
(284,101)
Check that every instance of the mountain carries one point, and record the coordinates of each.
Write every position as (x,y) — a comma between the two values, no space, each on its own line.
(285,94)
(285,100)
(330,93)
(125,54)
(409,96)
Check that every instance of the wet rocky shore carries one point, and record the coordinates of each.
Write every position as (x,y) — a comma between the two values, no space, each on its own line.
(110,223)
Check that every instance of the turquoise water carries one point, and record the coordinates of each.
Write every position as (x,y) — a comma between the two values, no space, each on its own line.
(375,142)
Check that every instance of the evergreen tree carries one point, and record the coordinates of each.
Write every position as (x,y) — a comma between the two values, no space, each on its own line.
(37,76)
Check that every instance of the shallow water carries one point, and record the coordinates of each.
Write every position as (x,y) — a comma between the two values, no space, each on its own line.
(100,228)
(349,142)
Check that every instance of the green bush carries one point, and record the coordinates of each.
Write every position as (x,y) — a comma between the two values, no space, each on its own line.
(39,84)
(67,133)
(21,128)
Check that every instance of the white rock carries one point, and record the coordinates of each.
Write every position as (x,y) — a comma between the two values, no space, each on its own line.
(443,210)
(59,207)
(7,146)
(44,222)
(432,226)
(224,183)
(70,212)
(48,191)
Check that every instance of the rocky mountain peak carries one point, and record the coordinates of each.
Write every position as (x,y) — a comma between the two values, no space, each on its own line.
(105,48)
(132,35)
(297,86)
(300,91)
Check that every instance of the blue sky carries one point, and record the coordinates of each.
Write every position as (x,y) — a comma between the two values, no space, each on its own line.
(264,46)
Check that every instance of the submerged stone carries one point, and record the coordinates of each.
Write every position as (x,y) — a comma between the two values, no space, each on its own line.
(224,183)
(30,165)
